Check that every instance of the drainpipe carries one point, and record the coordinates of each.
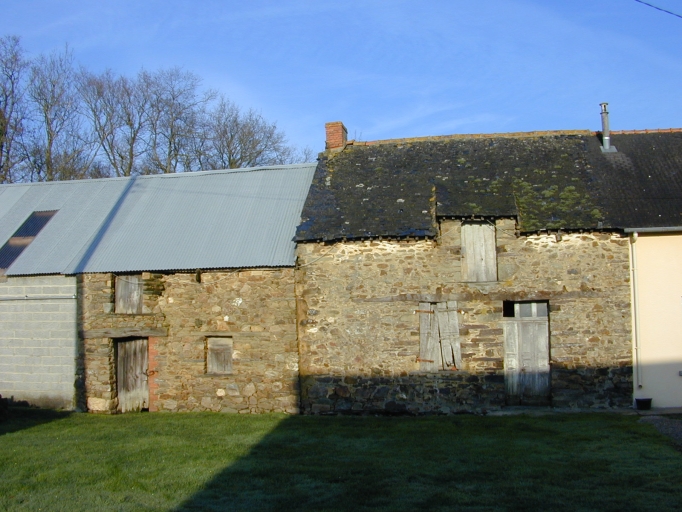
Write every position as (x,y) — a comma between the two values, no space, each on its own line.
(605,131)
(635,313)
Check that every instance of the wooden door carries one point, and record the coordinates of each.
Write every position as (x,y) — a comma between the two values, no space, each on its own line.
(526,361)
(131,374)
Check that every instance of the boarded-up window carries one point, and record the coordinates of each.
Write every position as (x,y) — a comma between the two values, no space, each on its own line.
(479,254)
(439,344)
(129,294)
(219,356)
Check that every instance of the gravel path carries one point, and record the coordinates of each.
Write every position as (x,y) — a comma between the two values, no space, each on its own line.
(666,426)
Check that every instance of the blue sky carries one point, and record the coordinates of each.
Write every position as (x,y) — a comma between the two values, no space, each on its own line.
(390,68)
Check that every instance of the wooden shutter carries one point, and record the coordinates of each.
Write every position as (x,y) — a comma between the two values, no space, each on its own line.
(128,291)
(479,253)
(429,350)
(131,375)
(448,329)
(219,355)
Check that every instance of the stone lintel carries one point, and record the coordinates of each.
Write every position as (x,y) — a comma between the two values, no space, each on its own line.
(233,334)
(124,332)
(497,295)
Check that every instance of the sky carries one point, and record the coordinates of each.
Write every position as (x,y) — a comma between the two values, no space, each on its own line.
(389,68)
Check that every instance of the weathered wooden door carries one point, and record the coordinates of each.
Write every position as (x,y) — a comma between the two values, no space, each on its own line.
(131,375)
(439,345)
(526,358)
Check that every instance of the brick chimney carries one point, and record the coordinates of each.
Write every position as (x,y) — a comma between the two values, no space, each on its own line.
(337,135)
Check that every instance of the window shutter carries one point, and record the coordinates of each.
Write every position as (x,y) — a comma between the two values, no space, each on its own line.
(219,355)
(429,350)
(128,290)
(479,253)
(448,328)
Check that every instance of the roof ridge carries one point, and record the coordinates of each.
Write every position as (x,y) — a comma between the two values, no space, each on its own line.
(537,133)
(646,130)
(508,135)
(166,175)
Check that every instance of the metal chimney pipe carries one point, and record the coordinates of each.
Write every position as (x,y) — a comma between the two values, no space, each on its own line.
(606,137)
(605,131)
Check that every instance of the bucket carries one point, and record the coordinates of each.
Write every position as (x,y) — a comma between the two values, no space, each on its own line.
(643,404)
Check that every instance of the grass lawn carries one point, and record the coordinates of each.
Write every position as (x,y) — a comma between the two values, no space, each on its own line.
(59,461)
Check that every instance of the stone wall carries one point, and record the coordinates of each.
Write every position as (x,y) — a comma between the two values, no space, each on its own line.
(254,309)
(96,312)
(38,340)
(358,317)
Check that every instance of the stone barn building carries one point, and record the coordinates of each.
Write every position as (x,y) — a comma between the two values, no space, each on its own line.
(169,292)
(429,275)
(443,274)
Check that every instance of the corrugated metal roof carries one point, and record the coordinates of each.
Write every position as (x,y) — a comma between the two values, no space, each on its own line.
(214,219)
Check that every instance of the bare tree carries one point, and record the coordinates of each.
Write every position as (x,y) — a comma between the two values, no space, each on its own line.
(174,114)
(57,148)
(245,139)
(57,124)
(12,71)
(117,108)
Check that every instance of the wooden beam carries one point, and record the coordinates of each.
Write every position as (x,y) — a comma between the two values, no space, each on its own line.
(231,334)
(124,332)
(488,292)
(415,297)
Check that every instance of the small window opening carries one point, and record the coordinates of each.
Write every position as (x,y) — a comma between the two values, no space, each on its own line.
(23,237)
(219,356)
(511,309)
(478,252)
(128,294)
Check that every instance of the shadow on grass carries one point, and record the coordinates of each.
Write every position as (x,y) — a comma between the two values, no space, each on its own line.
(559,462)
(20,418)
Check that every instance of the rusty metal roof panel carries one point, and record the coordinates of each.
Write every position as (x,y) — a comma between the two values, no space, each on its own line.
(215,219)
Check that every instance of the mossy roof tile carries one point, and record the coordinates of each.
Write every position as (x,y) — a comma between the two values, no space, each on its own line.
(553,181)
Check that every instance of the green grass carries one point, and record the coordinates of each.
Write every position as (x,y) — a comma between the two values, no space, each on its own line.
(54,461)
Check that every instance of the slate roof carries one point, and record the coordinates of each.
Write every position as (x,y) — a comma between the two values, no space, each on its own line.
(216,219)
(550,180)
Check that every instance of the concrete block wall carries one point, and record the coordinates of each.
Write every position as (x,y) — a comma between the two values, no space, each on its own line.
(38,339)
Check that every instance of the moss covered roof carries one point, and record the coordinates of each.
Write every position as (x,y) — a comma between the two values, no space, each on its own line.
(549,181)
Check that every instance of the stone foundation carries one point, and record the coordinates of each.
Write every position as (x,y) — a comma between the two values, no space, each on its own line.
(592,387)
(439,393)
